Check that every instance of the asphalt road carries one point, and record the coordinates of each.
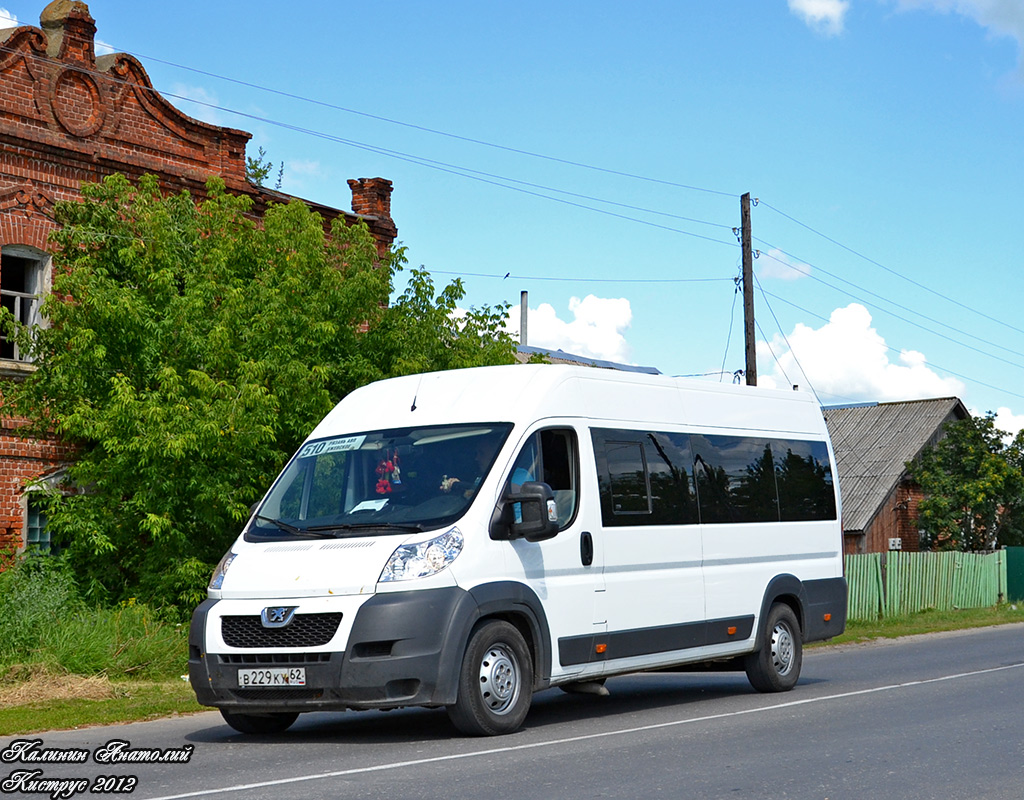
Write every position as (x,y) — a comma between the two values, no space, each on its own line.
(938,716)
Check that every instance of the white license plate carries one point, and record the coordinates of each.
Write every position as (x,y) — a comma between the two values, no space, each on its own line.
(272,676)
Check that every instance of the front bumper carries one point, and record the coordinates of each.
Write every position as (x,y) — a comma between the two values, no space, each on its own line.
(391,650)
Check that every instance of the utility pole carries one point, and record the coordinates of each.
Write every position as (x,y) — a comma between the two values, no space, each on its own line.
(524,312)
(748,291)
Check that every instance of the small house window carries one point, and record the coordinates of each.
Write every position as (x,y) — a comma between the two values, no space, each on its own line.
(22,285)
(37,535)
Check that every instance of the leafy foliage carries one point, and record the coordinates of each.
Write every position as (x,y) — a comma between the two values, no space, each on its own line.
(189,352)
(973,484)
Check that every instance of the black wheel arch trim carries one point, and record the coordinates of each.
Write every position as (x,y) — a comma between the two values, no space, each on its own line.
(782,586)
(502,599)
(807,598)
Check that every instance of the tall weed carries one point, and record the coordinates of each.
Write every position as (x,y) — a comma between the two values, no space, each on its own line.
(37,594)
(129,641)
(44,621)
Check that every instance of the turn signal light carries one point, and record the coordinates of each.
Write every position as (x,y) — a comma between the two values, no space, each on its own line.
(731,630)
(828,617)
(601,648)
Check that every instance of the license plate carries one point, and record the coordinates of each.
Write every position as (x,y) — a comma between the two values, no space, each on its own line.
(272,676)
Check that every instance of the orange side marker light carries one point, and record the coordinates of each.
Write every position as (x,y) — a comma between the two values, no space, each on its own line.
(828,617)
(601,648)
(731,630)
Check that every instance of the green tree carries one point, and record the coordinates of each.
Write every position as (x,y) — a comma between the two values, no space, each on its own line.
(190,350)
(973,486)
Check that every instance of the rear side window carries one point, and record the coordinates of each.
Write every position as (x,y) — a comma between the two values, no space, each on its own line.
(657,478)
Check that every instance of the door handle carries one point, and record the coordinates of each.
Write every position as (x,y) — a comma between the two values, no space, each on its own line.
(586,548)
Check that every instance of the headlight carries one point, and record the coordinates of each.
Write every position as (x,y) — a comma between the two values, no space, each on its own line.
(222,569)
(423,558)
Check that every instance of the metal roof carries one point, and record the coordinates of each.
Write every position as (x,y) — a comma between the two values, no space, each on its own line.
(561,357)
(873,442)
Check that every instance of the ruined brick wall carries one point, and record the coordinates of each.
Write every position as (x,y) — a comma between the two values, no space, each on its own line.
(67,116)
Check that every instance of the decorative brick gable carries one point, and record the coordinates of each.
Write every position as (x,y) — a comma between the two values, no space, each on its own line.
(66,117)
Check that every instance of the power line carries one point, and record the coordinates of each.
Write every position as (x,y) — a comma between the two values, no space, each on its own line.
(901,318)
(517,276)
(785,338)
(894,350)
(878,297)
(892,271)
(433,131)
(453,169)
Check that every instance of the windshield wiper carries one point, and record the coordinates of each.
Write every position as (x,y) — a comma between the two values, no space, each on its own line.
(358,526)
(287,527)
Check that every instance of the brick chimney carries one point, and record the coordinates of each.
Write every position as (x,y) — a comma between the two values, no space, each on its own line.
(371,197)
(70,31)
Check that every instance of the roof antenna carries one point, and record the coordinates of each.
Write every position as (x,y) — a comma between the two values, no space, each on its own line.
(416,393)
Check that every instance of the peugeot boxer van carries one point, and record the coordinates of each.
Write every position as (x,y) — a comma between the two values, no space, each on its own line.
(465,539)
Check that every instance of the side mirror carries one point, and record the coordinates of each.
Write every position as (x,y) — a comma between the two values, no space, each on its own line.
(528,514)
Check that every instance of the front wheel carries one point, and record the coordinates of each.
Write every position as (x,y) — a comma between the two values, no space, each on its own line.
(495,682)
(776,666)
(259,723)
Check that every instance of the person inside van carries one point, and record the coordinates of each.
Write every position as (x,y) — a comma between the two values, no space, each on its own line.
(483,453)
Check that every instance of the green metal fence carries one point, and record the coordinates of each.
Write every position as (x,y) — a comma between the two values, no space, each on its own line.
(895,583)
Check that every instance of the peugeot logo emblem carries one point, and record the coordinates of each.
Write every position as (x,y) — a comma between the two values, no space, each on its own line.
(277,616)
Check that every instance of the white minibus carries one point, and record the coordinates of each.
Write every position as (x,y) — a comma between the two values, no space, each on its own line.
(465,539)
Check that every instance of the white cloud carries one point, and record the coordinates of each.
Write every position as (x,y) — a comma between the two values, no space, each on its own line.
(847,360)
(1007,421)
(102,48)
(776,264)
(823,16)
(999,17)
(596,330)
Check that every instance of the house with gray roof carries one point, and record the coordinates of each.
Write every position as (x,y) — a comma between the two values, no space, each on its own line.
(872,443)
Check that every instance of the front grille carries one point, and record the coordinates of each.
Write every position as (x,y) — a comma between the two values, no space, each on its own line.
(305,630)
(278,694)
(273,658)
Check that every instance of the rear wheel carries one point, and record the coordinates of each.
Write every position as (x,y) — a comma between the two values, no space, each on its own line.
(776,666)
(259,723)
(495,682)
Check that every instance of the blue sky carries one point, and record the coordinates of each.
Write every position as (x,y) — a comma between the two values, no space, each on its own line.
(882,139)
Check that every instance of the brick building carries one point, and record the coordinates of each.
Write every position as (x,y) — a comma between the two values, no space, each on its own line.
(873,442)
(68,116)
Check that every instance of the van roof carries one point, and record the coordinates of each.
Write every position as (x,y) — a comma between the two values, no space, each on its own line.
(527,392)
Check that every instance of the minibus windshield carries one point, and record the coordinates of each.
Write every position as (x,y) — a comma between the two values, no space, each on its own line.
(379,482)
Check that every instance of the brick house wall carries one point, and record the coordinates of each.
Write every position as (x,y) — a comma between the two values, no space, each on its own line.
(68,116)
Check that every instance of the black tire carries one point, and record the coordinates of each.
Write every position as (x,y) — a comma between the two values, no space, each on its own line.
(259,723)
(495,681)
(776,666)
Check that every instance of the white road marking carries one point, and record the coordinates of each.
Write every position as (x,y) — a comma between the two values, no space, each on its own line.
(582,738)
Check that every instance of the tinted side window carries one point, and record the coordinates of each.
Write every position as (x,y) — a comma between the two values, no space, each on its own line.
(628,479)
(644,478)
(735,479)
(804,478)
(750,479)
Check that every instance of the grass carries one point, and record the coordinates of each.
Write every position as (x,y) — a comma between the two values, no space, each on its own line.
(44,701)
(65,664)
(930,622)
(125,701)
